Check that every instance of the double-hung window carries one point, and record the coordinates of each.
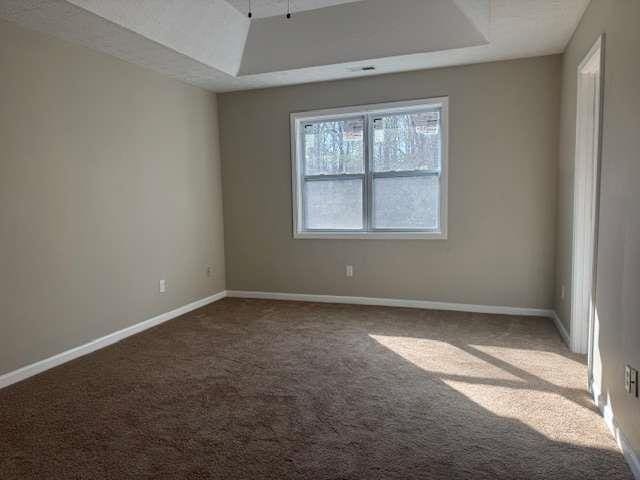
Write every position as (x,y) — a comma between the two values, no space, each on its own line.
(376,171)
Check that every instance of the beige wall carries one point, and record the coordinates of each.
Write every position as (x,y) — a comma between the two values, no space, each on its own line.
(618,262)
(109,181)
(502,191)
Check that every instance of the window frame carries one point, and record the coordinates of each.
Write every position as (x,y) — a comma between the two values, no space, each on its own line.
(367,112)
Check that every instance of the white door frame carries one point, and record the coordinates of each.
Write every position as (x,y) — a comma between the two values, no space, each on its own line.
(585,197)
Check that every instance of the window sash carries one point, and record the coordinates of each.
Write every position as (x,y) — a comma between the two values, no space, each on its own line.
(368,114)
(303,141)
(368,204)
(337,177)
(367,180)
(408,174)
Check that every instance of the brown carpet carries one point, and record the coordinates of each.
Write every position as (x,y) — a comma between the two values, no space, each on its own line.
(251,389)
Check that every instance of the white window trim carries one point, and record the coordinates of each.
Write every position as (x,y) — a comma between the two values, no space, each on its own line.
(407,106)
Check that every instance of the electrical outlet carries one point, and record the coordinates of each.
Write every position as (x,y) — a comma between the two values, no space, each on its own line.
(163,286)
(562,292)
(631,380)
(349,270)
(209,271)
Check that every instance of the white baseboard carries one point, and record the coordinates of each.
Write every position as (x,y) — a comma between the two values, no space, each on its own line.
(39,367)
(632,457)
(394,302)
(561,329)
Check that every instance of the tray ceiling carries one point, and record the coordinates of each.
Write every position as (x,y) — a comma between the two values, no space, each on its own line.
(212,43)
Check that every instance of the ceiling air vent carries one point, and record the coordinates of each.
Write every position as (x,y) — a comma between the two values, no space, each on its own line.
(367,68)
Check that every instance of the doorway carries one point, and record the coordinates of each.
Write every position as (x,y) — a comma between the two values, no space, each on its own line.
(584,328)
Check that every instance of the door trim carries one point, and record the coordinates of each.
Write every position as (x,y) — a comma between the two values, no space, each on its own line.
(586,195)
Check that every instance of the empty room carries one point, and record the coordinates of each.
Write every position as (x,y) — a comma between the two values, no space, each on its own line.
(319,239)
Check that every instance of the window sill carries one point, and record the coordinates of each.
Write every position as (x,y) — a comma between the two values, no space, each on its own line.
(370,235)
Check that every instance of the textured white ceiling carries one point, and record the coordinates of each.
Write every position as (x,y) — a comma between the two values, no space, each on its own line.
(195,28)
(202,42)
(272,8)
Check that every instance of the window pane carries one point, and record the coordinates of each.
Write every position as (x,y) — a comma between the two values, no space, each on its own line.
(333,204)
(408,141)
(333,147)
(406,202)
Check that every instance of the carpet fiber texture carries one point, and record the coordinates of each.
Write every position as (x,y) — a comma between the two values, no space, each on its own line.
(257,389)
